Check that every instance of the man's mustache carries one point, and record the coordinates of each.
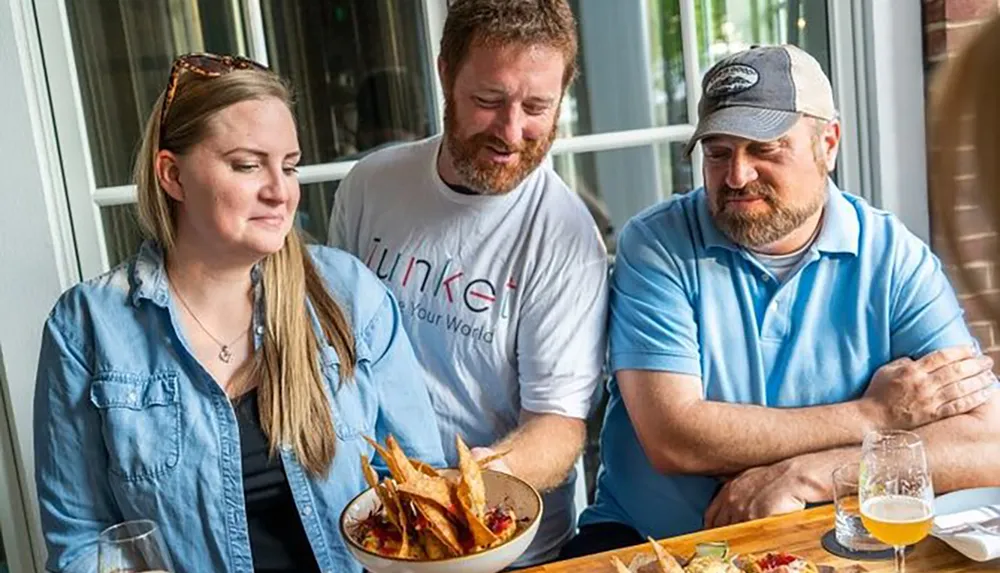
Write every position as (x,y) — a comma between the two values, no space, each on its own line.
(755,189)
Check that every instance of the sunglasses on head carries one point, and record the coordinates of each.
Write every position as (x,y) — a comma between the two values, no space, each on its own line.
(205,65)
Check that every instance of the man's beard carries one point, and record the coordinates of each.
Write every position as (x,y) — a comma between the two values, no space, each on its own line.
(753,230)
(484,176)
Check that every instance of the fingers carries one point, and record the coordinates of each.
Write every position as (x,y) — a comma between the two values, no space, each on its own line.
(713,509)
(945,356)
(966,403)
(965,386)
(964,368)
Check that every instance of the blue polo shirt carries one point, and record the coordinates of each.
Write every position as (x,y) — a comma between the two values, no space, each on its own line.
(685,299)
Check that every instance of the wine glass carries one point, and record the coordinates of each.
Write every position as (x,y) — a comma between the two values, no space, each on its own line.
(895,490)
(133,547)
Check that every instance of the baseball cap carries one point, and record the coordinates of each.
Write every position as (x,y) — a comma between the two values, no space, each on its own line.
(761,93)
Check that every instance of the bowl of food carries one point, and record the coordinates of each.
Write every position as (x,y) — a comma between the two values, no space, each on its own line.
(715,558)
(422,520)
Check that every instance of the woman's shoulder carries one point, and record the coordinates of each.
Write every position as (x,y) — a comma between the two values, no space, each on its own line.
(351,284)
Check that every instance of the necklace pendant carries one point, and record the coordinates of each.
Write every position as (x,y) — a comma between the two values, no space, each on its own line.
(225,355)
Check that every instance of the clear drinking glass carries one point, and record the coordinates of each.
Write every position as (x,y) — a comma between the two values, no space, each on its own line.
(133,547)
(850,529)
(895,490)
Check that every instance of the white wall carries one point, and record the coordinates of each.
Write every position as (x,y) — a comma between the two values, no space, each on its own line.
(894,96)
(36,264)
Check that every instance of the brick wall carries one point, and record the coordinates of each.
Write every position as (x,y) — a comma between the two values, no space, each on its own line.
(947,24)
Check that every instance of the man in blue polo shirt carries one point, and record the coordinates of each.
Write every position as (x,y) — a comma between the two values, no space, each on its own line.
(761,325)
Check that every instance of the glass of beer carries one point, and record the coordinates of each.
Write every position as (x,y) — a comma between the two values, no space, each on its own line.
(895,490)
(132,547)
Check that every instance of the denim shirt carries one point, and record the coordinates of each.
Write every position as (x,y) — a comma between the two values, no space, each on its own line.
(129,425)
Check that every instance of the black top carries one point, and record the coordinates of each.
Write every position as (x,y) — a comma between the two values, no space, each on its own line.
(461,189)
(278,541)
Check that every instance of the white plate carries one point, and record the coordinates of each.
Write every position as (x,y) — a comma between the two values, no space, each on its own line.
(965,499)
(500,488)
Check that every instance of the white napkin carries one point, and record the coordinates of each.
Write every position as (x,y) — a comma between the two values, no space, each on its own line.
(956,530)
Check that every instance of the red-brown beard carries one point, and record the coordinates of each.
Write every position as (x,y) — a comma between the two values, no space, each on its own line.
(486,177)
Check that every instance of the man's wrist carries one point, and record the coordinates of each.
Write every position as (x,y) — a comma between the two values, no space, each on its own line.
(867,413)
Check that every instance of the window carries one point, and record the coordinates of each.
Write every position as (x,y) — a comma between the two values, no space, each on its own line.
(358,70)
(364,76)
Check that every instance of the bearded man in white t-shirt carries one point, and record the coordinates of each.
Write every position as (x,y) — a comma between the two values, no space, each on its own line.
(498,267)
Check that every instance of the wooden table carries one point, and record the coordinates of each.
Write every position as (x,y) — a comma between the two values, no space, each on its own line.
(797,533)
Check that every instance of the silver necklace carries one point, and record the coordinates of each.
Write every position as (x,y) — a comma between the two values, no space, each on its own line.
(225,354)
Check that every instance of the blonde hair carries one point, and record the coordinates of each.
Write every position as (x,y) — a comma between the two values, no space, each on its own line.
(965,119)
(294,406)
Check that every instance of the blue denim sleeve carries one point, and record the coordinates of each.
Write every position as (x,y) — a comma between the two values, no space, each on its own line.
(74,495)
(926,315)
(405,409)
(652,320)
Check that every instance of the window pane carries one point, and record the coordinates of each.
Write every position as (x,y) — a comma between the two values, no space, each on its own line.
(729,26)
(631,69)
(359,69)
(123,53)
(617,184)
(632,62)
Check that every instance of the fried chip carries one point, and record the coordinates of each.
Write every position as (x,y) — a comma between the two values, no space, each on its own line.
(483,462)
(372,479)
(424,468)
(402,462)
(390,462)
(619,566)
(432,547)
(471,484)
(481,534)
(664,560)
(471,493)
(433,490)
(439,524)
(397,505)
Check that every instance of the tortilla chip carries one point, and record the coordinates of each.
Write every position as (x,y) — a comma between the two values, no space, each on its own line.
(390,462)
(424,468)
(665,561)
(433,549)
(366,468)
(471,485)
(619,566)
(435,490)
(439,524)
(483,462)
(388,507)
(481,534)
(406,469)
(400,517)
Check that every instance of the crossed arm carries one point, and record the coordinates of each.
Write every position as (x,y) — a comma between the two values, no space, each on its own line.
(786,455)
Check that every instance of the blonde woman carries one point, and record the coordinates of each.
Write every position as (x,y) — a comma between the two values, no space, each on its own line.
(220,382)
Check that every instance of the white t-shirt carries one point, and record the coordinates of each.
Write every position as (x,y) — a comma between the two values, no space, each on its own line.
(504,297)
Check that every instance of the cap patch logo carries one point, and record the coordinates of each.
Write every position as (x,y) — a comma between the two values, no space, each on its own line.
(731,80)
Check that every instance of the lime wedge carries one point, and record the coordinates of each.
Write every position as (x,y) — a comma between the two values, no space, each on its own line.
(718,549)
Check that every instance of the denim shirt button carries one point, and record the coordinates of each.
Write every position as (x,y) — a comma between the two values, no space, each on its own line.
(307,510)
(259,330)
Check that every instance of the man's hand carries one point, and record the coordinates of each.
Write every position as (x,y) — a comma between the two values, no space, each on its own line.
(497,464)
(758,492)
(906,394)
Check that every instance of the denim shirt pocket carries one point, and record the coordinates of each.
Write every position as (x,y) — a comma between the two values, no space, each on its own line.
(141,422)
(354,403)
